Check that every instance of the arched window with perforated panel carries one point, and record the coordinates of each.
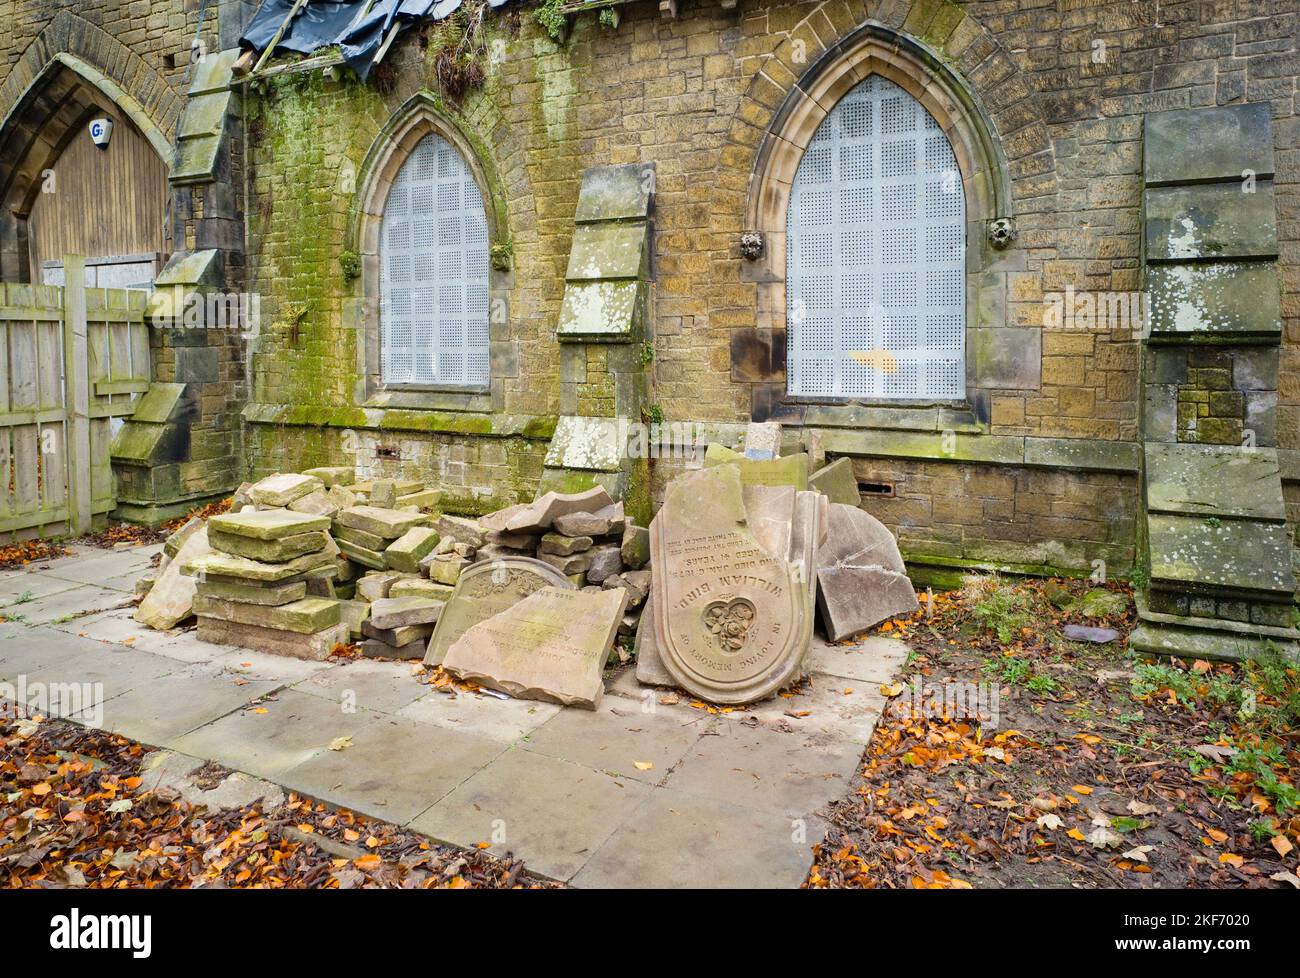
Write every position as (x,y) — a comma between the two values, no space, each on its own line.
(876,255)
(433,251)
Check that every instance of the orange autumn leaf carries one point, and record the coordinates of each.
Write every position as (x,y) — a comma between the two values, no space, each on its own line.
(1232,859)
(1083,789)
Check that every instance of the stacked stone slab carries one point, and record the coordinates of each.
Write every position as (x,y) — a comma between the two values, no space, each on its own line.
(365,533)
(400,627)
(252,586)
(1218,550)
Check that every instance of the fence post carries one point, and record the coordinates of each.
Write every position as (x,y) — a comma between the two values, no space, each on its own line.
(76,392)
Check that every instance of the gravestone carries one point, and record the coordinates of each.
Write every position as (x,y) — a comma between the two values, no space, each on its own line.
(552,646)
(485,589)
(731,618)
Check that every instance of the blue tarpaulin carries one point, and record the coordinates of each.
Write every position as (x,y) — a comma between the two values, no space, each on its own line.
(358,27)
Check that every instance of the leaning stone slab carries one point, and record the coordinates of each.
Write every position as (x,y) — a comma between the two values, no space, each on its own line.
(172,545)
(354,614)
(650,669)
(304,616)
(406,552)
(270,595)
(268,524)
(283,488)
(861,577)
(497,522)
(271,551)
(485,589)
(636,546)
(317,645)
(538,516)
(731,619)
(171,599)
(837,482)
(446,569)
(387,523)
(396,612)
(551,646)
(228,565)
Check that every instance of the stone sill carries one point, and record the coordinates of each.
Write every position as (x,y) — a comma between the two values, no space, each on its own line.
(483,424)
(1084,454)
(468,399)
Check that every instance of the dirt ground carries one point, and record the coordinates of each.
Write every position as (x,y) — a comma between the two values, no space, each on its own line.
(1099,770)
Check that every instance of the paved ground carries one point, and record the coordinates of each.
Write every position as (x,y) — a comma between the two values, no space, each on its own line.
(638,793)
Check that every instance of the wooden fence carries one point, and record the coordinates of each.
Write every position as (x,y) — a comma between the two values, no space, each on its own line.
(71,359)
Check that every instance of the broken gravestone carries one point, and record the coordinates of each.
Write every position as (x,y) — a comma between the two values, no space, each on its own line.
(171,599)
(552,646)
(731,618)
(486,589)
(861,577)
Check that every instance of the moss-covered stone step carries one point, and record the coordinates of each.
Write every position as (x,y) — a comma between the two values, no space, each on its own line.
(304,616)
(267,524)
(1222,556)
(270,551)
(1214,480)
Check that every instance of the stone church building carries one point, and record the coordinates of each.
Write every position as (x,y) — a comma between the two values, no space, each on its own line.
(1032,265)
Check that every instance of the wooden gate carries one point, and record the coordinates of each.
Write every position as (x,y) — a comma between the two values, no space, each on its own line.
(71,359)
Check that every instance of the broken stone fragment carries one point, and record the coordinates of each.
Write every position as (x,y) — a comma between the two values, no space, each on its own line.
(606,560)
(396,612)
(419,587)
(374,559)
(316,503)
(270,524)
(837,482)
(636,546)
(513,541)
(396,637)
(556,543)
(354,614)
(241,497)
(763,440)
(571,565)
(406,552)
(333,475)
(372,587)
(283,488)
(228,565)
(539,515)
(341,497)
(460,530)
(861,577)
(372,648)
(496,522)
(383,493)
(464,550)
(446,569)
(1088,633)
(611,519)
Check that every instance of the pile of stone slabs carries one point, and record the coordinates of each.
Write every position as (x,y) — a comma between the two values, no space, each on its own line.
(400,627)
(252,586)
(365,533)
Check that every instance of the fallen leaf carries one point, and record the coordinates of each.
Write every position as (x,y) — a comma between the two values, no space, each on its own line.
(341,743)
(891,689)
(1281,844)
(1285,877)
(1142,808)
(643,765)
(1232,859)
(1049,821)
(1138,853)
(1083,789)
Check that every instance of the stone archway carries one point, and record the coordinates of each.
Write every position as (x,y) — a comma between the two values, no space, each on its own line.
(62,79)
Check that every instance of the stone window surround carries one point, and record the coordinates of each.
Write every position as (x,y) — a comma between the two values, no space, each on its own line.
(420,116)
(876,49)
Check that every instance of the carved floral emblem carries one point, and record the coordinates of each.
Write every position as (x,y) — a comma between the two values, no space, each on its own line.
(730,622)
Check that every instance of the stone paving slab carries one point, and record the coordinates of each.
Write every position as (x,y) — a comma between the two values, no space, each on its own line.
(23,587)
(167,709)
(503,720)
(619,735)
(553,813)
(791,774)
(279,733)
(395,768)
(676,840)
(727,799)
(65,605)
